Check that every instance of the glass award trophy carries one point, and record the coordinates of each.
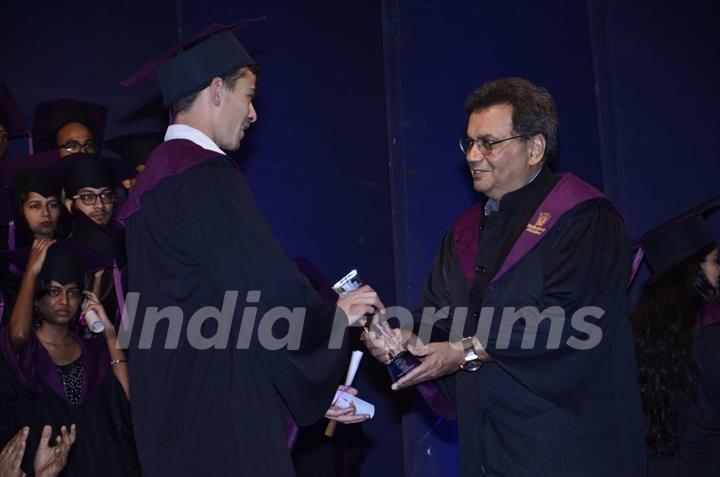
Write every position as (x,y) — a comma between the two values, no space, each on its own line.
(402,361)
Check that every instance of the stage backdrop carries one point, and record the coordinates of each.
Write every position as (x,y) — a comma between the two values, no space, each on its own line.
(354,158)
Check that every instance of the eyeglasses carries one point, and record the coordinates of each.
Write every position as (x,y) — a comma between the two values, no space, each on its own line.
(484,145)
(89,198)
(89,147)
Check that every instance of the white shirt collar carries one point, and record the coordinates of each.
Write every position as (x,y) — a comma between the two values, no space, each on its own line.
(183,131)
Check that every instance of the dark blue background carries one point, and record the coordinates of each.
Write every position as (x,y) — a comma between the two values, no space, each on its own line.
(354,158)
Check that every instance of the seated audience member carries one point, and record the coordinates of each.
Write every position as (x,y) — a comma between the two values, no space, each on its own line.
(89,183)
(39,213)
(69,126)
(60,378)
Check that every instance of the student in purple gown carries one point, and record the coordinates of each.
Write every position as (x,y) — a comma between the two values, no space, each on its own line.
(677,330)
(59,378)
(38,214)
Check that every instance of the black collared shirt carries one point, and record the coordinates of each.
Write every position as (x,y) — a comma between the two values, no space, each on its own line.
(501,229)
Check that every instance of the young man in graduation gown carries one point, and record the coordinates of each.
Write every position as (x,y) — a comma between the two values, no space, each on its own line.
(193,234)
(565,403)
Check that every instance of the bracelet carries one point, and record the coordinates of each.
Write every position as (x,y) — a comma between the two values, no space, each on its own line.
(116,361)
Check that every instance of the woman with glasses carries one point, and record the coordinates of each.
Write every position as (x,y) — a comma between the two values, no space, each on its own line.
(676,323)
(60,378)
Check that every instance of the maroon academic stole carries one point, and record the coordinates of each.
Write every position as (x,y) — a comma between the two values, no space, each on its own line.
(568,193)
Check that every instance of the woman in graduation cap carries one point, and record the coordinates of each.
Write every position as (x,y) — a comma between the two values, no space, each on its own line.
(38,211)
(677,329)
(60,378)
(38,214)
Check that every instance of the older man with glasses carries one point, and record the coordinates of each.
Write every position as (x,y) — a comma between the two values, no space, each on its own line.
(536,349)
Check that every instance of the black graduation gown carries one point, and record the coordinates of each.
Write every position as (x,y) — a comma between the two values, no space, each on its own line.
(33,396)
(698,452)
(218,412)
(537,411)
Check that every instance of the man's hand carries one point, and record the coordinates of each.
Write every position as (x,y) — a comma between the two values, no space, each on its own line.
(50,461)
(358,303)
(347,415)
(377,346)
(12,454)
(438,359)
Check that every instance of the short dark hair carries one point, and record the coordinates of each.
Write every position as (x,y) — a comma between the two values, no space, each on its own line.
(533,108)
(184,104)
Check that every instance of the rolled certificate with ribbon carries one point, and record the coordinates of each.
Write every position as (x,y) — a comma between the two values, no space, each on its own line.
(349,378)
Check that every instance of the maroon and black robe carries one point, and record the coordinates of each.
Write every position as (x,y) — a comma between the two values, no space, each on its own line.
(535,411)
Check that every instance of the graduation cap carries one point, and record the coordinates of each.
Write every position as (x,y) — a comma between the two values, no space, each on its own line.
(67,260)
(31,180)
(52,115)
(9,168)
(134,149)
(85,170)
(677,239)
(190,66)
(10,115)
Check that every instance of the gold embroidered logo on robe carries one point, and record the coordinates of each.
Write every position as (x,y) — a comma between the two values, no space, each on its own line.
(537,228)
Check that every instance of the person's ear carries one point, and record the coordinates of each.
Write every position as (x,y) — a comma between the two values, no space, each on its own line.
(69,204)
(536,152)
(216,91)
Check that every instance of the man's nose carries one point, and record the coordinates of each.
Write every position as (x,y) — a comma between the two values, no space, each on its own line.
(252,117)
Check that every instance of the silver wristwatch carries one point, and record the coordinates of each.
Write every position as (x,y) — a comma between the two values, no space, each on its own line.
(472,360)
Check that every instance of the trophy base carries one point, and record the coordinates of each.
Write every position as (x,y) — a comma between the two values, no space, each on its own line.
(402,364)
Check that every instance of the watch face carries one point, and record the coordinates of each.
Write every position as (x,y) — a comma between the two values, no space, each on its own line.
(473,365)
